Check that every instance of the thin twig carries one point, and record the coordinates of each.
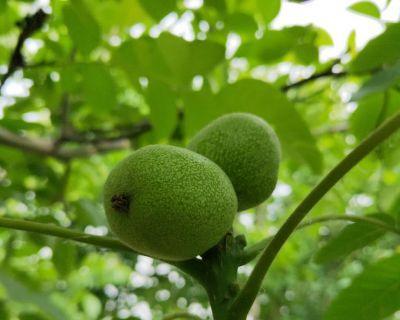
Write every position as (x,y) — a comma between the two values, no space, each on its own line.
(64,185)
(95,136)
(52,230)
(315,76)
(339,128)
(29,26)
(328,72)
(247,295)
(192,267)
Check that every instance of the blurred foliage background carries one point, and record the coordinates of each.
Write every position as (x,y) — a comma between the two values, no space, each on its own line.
(85,82)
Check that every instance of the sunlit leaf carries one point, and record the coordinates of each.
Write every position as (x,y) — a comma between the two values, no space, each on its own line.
(92,306)
(366,7)
(267,10)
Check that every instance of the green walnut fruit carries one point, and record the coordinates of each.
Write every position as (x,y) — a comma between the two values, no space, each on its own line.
(169,203)
(247,149)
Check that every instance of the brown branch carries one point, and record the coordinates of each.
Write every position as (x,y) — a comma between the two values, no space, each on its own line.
(94,136)
(29,26)
(42,146)
(65,126)
(63,151)
(339,128)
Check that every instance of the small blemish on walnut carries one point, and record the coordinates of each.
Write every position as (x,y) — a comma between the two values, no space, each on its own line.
(120,202)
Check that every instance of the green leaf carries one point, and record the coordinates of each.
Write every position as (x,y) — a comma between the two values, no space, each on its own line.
(219,5)
(379,82)
(31,316)
(158,9)
(141,57)
(200,108)
(163,111)
(188,59)
(3,4)
(351,43)
(274,45)
(92,306)
(241,23)
(168,58)
(373,295)
(98,86)
(18,291)
(88,213)
(277,44)
(384,49)
(366,7)
(372,111)
(266,10)
(389,150)
(64,257)
(4,310)
(268,102)
(366,116)
(323,37)
(353,237)
(307,53)
(82,27)
(121,14)
(262,99)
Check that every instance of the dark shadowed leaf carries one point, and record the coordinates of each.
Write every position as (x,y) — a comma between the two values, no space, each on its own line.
(82,26)
(158,9)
